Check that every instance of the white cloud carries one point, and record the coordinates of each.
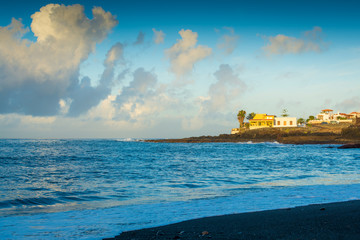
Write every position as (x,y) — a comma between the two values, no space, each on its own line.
(159,36)
(227,89)
(223,97)
(35,76)
(184,54)
(84,96)
(282,44)
(114,54)
(228,42)
(143,99)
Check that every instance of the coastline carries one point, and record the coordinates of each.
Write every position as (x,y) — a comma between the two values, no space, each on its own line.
(339,220)
(317,134)
(336,220)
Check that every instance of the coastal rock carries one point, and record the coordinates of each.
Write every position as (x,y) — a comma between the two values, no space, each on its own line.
(352,145)
(319,134)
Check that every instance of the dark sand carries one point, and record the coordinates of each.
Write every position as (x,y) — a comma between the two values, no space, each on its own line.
(322,221)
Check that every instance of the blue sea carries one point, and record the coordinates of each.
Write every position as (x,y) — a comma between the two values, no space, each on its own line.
(97,188)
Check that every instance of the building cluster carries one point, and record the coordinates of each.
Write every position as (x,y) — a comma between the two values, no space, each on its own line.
(262,120)
(328,115)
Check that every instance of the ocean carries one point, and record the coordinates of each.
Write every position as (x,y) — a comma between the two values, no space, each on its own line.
(97,188)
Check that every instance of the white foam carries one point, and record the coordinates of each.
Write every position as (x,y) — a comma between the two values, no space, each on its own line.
(101,223)
(128,139)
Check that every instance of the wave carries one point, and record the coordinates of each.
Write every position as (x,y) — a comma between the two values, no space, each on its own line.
(29,202)
(128,139)
(44,201)
(251,142)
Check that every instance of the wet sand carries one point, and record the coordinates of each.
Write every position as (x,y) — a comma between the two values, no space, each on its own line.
(321,221)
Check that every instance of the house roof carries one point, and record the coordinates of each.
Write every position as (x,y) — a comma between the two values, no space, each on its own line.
(261,120)
(261,116)
(355,113)
(327,110)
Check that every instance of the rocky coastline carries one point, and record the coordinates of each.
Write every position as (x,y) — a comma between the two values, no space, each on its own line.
(316,134)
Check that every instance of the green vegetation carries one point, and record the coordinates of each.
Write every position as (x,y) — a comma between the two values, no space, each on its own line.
(285,113)
(310,118)
(301,121)
(241,116)
(250,116)
(341,118)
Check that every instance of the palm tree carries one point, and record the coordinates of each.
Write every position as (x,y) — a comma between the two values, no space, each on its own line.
(285,113)
(241,117)
(250,116)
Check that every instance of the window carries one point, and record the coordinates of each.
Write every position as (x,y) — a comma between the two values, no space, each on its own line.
(278,122)
(291,123)
(284,123)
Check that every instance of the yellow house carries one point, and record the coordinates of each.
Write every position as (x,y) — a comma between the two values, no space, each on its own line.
(262,121)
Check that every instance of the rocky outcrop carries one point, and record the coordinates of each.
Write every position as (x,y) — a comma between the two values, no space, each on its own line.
(309,135)
(351,145)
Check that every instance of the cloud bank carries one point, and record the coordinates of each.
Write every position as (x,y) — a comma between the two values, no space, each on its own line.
(184,54)
(282,44)
(37,78)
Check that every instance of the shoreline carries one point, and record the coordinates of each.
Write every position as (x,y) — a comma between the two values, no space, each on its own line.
(344,134)
(338,220)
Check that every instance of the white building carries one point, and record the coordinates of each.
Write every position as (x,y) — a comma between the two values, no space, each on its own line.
(355,114)
(285,122)
(326,115)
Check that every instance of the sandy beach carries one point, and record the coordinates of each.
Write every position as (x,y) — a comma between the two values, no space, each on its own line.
(339,220)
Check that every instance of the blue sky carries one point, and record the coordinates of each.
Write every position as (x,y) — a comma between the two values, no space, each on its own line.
(171,68)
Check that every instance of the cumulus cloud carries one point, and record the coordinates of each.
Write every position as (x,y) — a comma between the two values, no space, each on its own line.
(84,96)
(140,39)
(184,54)
(159,36)
(228,42)
(36,77)
(222,95)
(143,97)
(227,88)
(311,41)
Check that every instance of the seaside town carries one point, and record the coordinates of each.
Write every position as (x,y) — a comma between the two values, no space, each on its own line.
(263,120)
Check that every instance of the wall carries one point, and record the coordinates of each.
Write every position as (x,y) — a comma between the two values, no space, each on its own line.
(285,122)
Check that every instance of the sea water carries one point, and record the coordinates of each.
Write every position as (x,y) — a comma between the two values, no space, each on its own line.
(97,188)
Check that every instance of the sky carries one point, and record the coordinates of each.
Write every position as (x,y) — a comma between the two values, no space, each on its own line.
(168,69)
